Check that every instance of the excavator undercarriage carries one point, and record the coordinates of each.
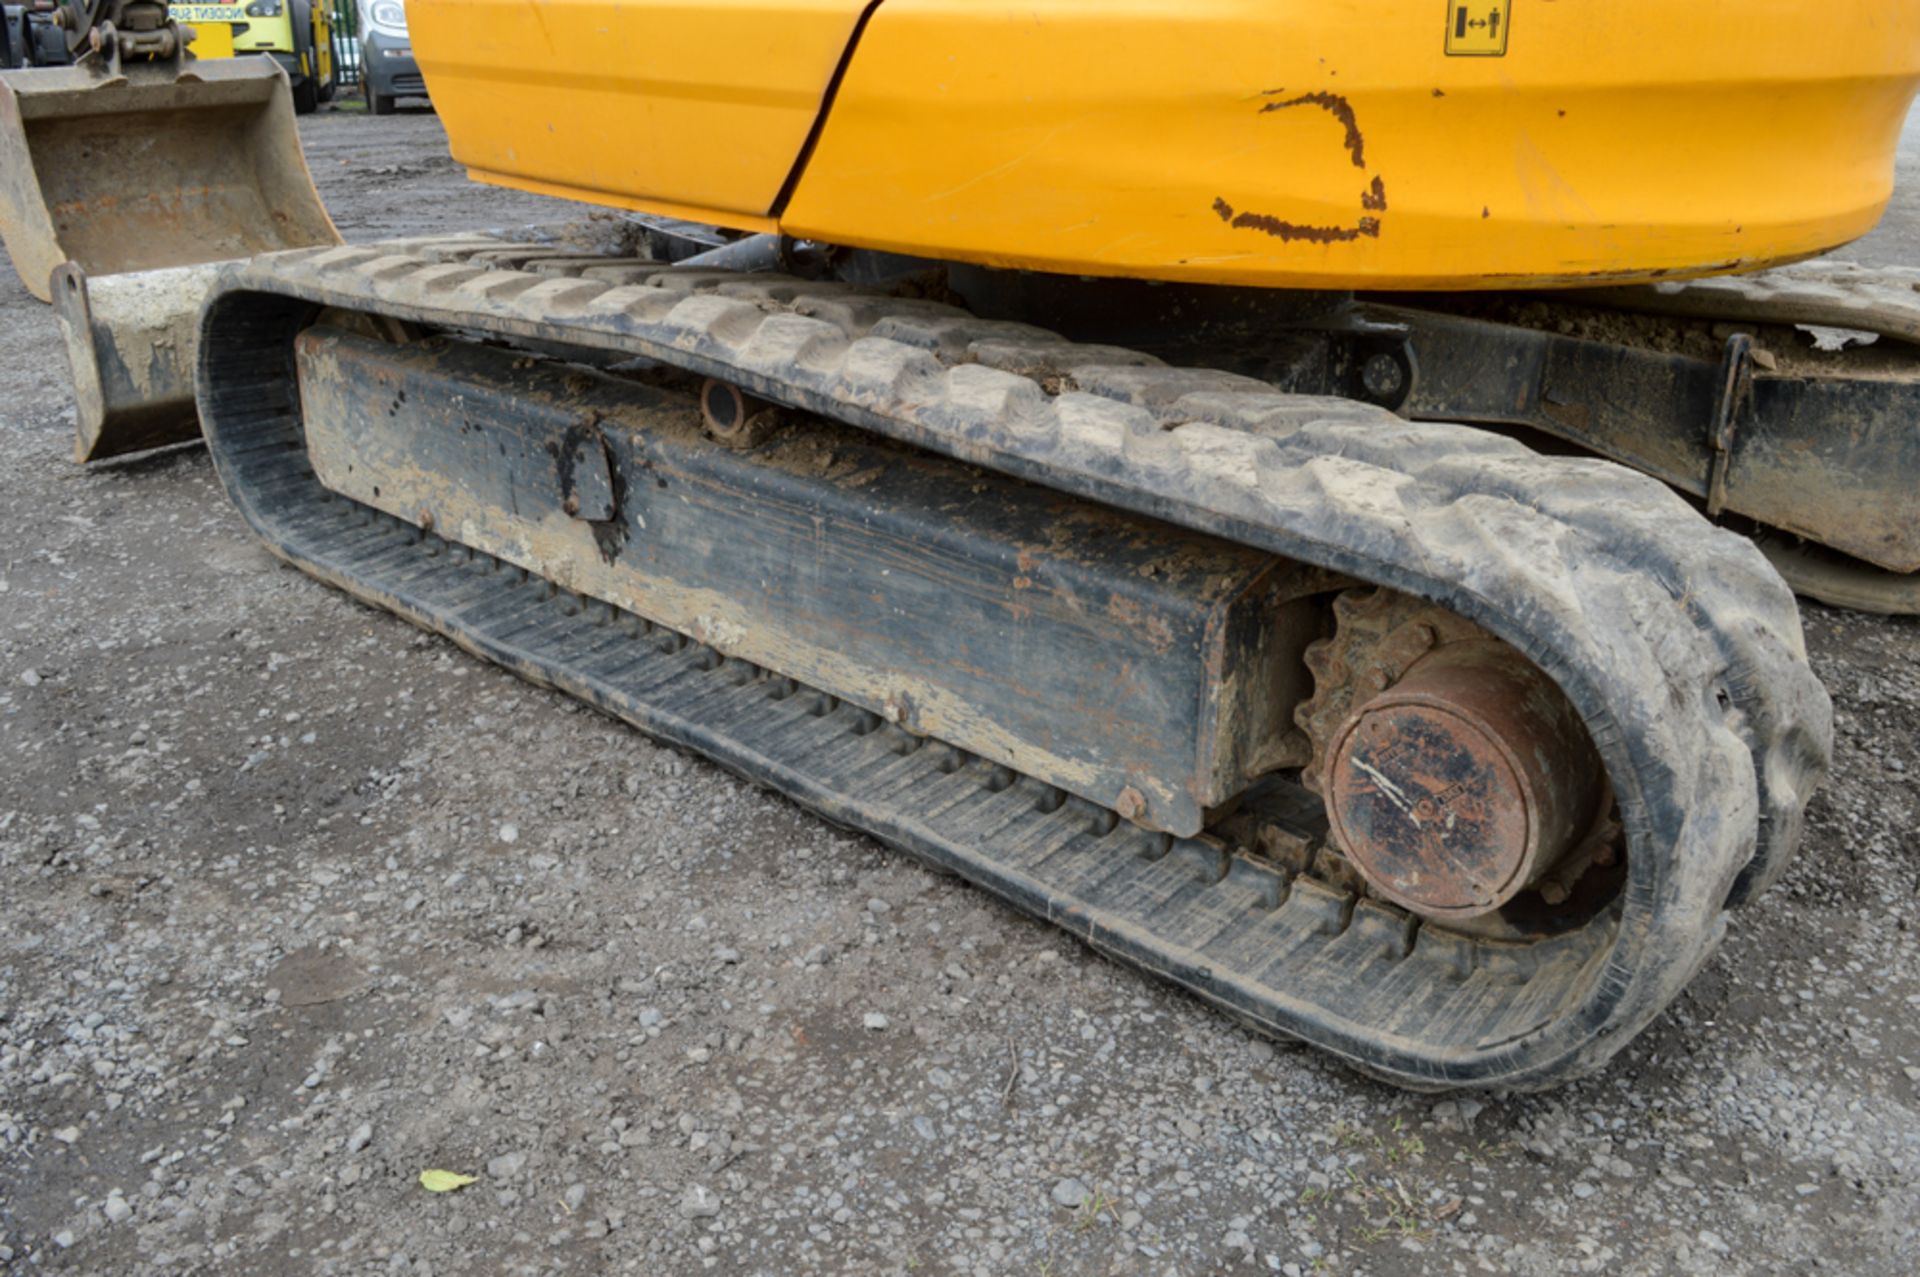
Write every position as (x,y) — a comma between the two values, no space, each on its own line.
(1399,737)
(1175,468)
(1780,404)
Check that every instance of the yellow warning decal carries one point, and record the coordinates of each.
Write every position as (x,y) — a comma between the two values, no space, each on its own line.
(1478,28)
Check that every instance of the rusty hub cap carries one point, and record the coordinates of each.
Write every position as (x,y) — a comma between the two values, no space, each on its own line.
(1456,775)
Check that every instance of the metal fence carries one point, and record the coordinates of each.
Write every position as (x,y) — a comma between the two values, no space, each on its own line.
(346,43)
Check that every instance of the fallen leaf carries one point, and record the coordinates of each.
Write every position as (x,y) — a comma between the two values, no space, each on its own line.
(443,1181)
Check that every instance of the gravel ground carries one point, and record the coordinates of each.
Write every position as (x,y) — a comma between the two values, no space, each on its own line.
(296,902)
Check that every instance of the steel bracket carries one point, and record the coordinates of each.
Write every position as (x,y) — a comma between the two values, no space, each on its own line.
(1734,401)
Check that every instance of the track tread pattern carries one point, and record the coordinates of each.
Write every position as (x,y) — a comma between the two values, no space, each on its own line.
(1874,299)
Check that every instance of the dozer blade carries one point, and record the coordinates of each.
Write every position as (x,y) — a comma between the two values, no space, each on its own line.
(158,166)
(119,196)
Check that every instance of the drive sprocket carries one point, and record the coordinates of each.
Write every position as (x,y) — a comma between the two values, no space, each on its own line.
(1457,780)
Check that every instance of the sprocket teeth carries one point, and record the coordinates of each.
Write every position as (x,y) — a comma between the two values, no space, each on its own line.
(1355,605)
(1364,619)
(1323,659)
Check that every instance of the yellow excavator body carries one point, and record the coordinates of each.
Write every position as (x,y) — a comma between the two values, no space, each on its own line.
(1446,144)
(681,107)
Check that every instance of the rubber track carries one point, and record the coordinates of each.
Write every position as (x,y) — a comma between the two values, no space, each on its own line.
(1874,299)
(1677,642)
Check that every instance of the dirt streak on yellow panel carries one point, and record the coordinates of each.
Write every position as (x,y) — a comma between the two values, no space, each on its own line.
(1337,142)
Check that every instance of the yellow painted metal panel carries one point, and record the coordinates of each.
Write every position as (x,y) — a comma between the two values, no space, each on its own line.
(664,208)
(1340,143)
(702,103)
(215,26)
(213,40)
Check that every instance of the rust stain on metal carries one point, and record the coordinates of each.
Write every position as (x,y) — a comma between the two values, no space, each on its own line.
(1148,625)
(1462,784)
(1456,774)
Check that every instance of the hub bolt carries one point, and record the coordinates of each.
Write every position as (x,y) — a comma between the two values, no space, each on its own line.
(1383,378)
